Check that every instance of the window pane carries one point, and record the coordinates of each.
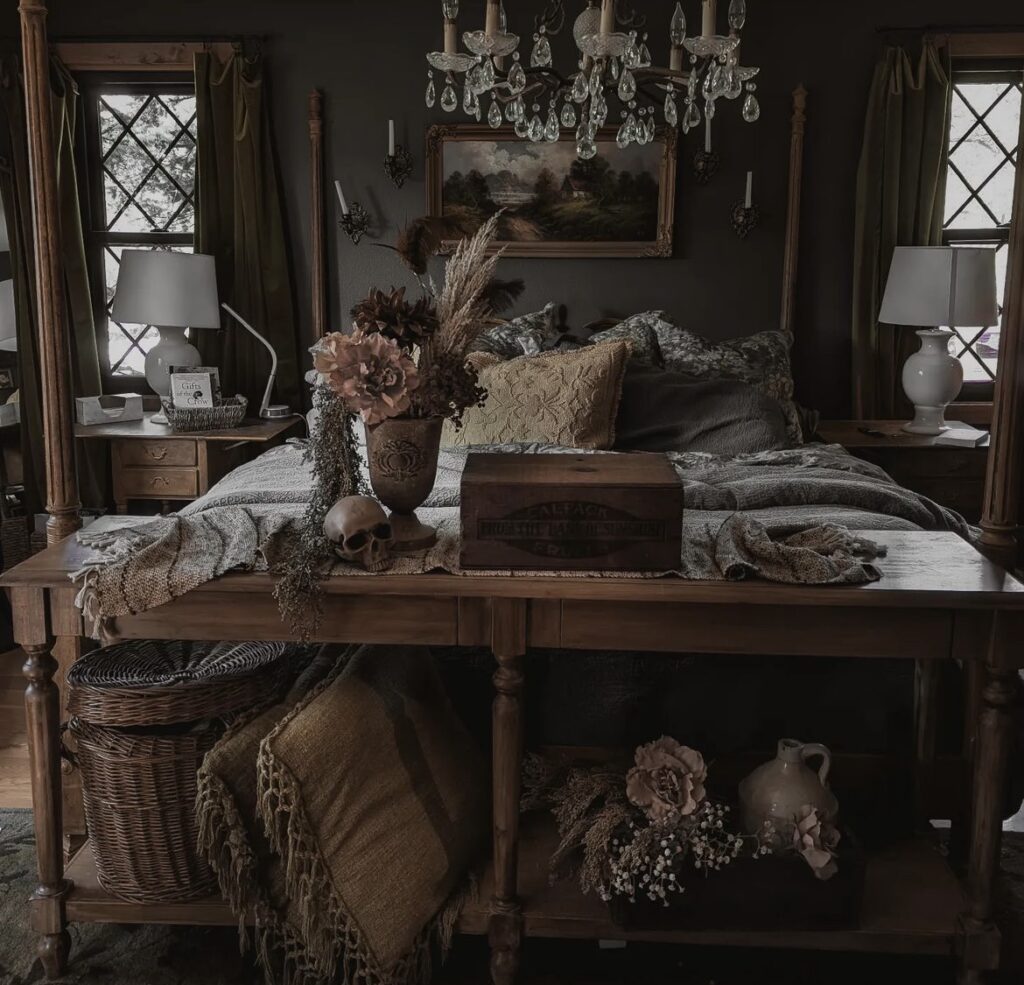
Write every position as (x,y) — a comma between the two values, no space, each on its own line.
(984,128)
(147,149)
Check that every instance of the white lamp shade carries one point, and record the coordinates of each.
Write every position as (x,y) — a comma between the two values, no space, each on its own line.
(177,290)
(932,286)
(8,318)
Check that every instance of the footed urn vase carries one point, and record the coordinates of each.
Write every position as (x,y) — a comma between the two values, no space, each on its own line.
(775,791)
(402,455)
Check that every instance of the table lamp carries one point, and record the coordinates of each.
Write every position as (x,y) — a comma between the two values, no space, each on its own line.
(172,292)
(934,287)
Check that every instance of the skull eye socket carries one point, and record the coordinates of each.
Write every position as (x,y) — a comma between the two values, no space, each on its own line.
(357,541)
(382,531)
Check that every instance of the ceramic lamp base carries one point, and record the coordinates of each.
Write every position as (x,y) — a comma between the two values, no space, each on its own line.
(173,350)
(927,420)
(411,534)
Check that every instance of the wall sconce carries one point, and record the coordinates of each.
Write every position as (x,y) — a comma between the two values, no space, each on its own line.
(398,163)
(354,219)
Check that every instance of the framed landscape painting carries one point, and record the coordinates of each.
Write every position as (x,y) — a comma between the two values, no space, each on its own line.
(620,203)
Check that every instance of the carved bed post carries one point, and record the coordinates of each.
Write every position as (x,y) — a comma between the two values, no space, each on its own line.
(54,353)
(1001,512)
(316,214)
(796,168)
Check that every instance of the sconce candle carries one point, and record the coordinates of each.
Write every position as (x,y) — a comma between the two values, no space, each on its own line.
(749,201)
(341,198)
(391,138)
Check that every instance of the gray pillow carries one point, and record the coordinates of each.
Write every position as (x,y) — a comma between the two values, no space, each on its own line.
(523,335)
(665,411)
(641,337)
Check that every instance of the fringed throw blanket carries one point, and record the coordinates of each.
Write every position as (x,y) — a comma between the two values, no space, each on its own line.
(344,826)
(782,516)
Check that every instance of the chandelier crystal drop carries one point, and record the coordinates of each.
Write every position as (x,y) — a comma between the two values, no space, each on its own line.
(614,71)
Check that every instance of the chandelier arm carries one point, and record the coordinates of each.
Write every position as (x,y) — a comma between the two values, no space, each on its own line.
(551,18)
(626,16)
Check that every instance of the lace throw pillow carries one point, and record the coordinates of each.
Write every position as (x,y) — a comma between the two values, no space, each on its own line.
(523,334)
(564,398)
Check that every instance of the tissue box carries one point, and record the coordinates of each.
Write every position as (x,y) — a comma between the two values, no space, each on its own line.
(109,409)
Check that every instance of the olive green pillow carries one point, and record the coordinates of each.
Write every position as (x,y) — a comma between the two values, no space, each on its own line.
(562,398)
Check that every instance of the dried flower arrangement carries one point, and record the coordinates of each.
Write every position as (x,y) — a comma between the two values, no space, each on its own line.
(643,833)
(408,359)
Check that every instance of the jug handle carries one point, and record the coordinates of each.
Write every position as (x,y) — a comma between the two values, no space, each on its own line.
(812,749)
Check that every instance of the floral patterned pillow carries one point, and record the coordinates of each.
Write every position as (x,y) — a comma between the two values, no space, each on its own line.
(523,335)
(642,339)
(762,360)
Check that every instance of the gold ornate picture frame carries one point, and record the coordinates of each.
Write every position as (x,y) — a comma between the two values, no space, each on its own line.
(619,204)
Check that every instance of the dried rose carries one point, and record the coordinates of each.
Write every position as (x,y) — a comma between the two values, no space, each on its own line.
(373,375)
(816,840)
(668,779)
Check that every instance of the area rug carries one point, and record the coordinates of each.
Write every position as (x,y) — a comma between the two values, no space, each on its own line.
(105,954)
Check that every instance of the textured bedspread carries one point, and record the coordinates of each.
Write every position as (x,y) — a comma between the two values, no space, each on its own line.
(784,516)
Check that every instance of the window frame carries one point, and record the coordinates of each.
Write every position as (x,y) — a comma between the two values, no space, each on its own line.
(976,397)
(93,205)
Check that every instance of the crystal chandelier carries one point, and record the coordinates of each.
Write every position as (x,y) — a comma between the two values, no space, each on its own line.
(614,68)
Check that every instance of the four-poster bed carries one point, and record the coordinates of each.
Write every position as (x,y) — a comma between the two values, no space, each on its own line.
(938,599)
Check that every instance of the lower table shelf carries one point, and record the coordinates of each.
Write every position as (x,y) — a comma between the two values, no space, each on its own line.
(912,904)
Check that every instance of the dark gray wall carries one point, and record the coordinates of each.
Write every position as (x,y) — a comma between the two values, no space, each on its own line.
(368,59)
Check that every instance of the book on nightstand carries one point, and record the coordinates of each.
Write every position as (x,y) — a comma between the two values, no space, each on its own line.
(961,436)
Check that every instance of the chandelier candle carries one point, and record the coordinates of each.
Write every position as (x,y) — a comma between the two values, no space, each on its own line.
(709,11)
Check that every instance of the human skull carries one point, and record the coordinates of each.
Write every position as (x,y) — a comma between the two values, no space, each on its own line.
(361,532)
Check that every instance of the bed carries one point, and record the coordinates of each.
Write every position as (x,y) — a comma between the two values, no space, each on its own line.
(937,599)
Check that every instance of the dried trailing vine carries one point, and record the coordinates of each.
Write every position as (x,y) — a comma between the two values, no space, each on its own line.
(334,454)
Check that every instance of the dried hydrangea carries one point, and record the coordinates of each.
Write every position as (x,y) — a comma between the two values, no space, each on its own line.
(373,375)
(448,389)
(816,841)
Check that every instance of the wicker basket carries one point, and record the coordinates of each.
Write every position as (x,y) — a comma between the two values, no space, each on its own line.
(150,683)
(144,714)
(139,792)
(229,414)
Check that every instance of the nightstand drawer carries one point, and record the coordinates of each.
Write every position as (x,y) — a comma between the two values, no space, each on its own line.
(156,452)
(157,483)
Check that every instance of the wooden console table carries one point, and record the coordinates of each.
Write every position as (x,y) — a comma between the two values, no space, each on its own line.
(938,600)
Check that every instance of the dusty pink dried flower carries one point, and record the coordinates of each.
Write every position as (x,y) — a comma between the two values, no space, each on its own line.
(372,374)
(668,779)
(816,840)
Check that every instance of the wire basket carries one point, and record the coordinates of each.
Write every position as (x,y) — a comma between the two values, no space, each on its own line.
(228,414)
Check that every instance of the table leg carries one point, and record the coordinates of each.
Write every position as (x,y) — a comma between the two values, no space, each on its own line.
(42,712)
(508,643)
(992,753)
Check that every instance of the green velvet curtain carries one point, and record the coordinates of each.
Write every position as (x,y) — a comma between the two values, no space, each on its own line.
(16,189)
(239,220)
(901,192)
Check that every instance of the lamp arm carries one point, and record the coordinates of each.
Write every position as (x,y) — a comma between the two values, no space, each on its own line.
(273,355)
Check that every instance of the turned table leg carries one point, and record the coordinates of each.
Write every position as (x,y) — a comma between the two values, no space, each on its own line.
(42,714)
(508,643)
(992,753)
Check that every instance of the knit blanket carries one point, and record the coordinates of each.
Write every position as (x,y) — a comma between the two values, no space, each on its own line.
(788,516)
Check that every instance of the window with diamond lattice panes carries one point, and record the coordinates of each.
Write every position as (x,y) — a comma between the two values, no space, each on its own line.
(142,175)
(983,158)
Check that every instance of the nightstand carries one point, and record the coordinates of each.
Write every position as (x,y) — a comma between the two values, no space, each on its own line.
(151,462)
(954,477)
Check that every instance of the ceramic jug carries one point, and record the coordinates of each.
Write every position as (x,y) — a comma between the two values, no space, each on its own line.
(778,789)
